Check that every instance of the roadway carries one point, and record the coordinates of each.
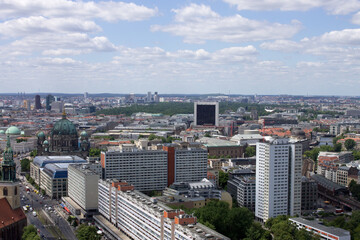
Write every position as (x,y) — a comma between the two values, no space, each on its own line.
(56,217)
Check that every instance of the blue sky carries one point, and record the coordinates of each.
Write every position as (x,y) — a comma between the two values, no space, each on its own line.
(212,46)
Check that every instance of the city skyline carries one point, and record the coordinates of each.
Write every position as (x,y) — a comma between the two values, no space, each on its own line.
(240,47)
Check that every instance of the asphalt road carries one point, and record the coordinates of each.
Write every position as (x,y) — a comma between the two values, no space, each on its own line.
(56,217)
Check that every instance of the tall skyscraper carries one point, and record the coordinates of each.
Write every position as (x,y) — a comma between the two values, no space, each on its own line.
(49,99)
(149,97)
(278,179)
(37,102)
(156,97)
(86,95)
(206,113)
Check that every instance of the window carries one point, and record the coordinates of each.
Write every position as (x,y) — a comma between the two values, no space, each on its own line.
(5,191)
(15,190)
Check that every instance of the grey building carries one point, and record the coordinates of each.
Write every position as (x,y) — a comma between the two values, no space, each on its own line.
(309,192)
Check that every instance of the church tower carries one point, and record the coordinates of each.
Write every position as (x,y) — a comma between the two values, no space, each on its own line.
(9,185)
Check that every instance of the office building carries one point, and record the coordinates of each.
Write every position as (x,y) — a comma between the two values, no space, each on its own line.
(49,99)
(37,102)
(39,162)
(149,97)
(246,193)
(86,95)
(278,178)
(309,195)
(141,217)
(206,113)
(82,200)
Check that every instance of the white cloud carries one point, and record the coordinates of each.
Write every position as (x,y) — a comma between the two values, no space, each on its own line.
(281,45)
(198,23)
(38,25)
(331,6)
(346,36)
(106,10)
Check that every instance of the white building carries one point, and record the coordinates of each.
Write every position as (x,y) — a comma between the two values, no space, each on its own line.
(278,179)
(146,170)
(83,188)
(141,217)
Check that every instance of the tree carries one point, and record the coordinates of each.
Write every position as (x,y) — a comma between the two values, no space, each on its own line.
(337,147)
(94,152)
(33,153)
(230,222)
(25,165)
(257,232)
(85,232)
(349,144)
(30,233)
(152,137)
(223,178)
(250,151)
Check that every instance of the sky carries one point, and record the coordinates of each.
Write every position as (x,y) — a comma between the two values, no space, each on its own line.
(296,47)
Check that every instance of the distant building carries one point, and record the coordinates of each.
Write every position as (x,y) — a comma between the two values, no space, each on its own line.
(221,148)
(86,95)
(149,97)
(246,193)
(49,99)
(206,113)
(37,102)
(64,140)
(278,179)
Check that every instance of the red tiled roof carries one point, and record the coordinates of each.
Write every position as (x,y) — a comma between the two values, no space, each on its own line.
(8,215)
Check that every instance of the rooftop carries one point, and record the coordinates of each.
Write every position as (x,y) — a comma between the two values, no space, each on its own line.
(339,232)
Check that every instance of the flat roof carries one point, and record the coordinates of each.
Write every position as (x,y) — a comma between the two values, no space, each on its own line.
(214,142)
(332,230)
(41,161)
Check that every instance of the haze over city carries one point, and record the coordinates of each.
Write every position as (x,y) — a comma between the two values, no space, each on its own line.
(230,46)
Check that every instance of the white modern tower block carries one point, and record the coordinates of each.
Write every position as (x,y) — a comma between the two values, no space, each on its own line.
(278,179)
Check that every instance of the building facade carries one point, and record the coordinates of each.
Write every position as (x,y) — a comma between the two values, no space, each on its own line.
(146,170)
(140,217)
(278,179)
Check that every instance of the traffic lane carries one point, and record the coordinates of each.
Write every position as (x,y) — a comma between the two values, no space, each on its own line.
(37,223)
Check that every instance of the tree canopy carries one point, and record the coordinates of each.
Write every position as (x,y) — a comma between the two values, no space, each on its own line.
(25,165)
(85,232)
(223,178)
(30,233)
(94,152)
(349,144)
(282,228)
(250,151)
(232,222)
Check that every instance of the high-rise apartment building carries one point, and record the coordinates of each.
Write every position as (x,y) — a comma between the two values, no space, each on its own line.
(141,217)
(49,99)
(278,179)
(185,165)
(146,170)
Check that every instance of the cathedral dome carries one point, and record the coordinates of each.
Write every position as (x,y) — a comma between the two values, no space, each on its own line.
(64,127)
(13,131)
(84,134)
(2,132)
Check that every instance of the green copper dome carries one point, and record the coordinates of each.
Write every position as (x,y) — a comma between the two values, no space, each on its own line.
(83,134)
(64,127)
(2,132)
(41,135)
(13,131)
(46,142)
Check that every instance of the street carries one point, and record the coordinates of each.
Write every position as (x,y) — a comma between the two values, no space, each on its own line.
(55,218)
